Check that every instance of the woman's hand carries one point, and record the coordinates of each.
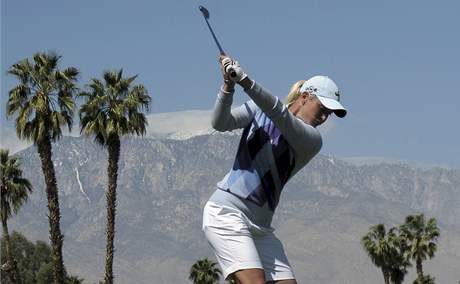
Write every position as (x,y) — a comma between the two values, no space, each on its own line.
(232,73)
(225,61)
(232,69)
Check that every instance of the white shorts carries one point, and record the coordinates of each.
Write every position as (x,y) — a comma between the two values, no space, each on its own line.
(239,244)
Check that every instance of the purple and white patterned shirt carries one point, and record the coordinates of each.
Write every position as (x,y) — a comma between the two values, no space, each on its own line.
(274,146)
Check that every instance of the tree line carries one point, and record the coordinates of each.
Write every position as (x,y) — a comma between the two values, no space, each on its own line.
(395,250)
(42,103)
(33,262)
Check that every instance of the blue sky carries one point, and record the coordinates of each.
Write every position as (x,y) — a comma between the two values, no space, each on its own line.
(396,62)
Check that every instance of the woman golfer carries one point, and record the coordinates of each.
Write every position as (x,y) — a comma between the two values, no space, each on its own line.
(277,141)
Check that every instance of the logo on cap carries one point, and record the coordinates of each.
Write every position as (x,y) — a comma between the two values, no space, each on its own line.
(311,90)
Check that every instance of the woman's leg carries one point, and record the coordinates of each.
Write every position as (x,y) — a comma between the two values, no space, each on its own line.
(253,276)
(232,243)
(274,260)
(250,276)
(290,281)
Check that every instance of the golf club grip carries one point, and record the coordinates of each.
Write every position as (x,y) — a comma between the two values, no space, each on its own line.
(231,71)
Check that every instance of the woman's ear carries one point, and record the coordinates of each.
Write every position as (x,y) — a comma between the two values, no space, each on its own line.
(306,97)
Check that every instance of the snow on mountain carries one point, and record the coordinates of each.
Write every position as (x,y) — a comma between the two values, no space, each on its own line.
(179,125)
(187,124)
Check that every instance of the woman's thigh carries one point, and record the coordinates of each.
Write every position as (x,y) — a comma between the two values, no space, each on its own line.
(241,252)
(230,239)
(274,259)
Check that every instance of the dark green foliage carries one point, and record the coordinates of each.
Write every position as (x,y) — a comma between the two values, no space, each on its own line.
(45,273)
(426,279)
(15,188)
(14,193)
(43,99)
(34,261)
(421,239)
(74,280)
(204,271)
(112,109)
(415,240)
(386,251)
(43,102)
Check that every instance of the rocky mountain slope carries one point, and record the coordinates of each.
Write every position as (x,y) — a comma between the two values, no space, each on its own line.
(162,188)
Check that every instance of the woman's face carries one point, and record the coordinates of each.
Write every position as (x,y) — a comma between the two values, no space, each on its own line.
(310,110)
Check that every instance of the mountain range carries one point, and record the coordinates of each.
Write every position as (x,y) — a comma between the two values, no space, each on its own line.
(164,183)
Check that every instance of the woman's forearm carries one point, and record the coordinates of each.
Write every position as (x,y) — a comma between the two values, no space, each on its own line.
(246,83)
(228,86)
(221,119)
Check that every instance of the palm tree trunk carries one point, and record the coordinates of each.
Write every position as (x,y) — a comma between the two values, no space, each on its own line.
(111,194)
(386,276)
(44,151)
(13,272)
(419,269)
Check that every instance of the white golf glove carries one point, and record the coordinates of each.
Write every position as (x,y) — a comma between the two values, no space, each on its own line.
(233,70)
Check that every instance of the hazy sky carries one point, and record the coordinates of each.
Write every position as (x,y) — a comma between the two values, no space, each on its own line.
(397,63)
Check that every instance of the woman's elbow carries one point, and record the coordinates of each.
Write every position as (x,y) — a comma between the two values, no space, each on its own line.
(218,126)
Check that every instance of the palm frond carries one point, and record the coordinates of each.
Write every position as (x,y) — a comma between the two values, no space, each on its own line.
(113,106)
(43,92)
(14,188)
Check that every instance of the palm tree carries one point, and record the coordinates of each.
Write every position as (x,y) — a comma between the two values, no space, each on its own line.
(421,238)
(110,111)
(43,101)
(386,251)
(204,272)
(74,280)
(14,193)
(427,279)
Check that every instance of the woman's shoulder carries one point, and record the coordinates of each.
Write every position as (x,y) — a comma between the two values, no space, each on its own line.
(310,142)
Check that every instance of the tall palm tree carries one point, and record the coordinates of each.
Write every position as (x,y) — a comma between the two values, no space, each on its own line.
(386,251)
(204,271)
(111,110)
(421,238)
(43,101)
(14,193)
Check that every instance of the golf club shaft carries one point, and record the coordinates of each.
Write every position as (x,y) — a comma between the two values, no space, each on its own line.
(215,38)
(205,13)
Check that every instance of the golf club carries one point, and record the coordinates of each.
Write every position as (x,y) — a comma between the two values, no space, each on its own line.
(205,13)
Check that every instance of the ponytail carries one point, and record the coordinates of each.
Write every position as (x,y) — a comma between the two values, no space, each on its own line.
(294,93)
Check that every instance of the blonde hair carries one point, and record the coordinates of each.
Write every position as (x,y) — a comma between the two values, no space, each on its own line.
(294,93)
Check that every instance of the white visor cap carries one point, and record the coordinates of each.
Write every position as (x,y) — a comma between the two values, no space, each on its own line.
(326,91)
